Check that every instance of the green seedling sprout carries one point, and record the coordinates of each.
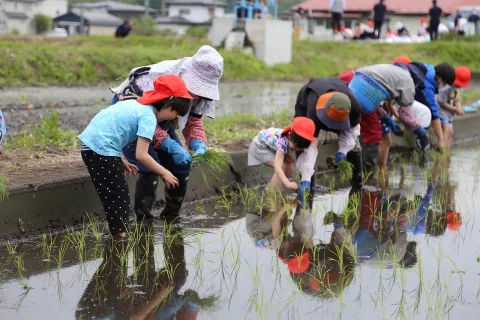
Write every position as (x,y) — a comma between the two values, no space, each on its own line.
(3,188)
(346,170)
(215,159)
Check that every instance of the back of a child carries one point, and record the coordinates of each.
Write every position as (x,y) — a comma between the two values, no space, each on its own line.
(264,146)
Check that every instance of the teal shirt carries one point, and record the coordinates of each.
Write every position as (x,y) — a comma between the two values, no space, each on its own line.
(118,125)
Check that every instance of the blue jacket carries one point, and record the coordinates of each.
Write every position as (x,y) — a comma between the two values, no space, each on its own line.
(427,95)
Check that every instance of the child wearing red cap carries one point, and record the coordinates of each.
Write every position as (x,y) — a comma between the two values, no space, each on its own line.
(449,100)
(276,148)
(120,124)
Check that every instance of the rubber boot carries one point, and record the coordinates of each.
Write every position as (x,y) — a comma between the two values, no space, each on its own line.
(355,158)
(422,143)
(174,198)
(145,195)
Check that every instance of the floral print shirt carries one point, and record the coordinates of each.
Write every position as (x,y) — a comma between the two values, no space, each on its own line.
(272,139)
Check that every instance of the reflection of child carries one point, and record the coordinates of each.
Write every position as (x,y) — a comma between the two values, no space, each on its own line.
(449,100)
(3,131)
(276,148)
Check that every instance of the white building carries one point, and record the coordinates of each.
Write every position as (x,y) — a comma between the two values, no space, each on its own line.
(183,14)
(17,15)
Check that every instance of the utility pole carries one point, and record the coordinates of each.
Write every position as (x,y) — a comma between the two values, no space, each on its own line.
(146,4)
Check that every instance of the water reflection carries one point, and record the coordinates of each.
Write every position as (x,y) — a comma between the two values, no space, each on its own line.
(147,293)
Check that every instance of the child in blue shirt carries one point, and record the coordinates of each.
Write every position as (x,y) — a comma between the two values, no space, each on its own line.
(120,124)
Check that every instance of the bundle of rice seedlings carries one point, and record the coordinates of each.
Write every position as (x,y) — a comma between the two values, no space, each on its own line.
(216,160)
(346,170)
(3,188)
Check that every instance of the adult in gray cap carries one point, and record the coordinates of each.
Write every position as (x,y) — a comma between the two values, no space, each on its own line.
(201,74)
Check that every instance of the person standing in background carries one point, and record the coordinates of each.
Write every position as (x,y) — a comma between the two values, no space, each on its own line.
(474,19)
(337,7)
(435,13)
(123,30)
(379,11)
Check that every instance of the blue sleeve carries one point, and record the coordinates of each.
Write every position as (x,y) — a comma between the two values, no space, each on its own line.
(423,207)
(147,123)
(429,92)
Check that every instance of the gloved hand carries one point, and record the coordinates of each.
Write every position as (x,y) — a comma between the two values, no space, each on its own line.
(303,192)
(339,157)
(396,129)
(180,155)
(198,147)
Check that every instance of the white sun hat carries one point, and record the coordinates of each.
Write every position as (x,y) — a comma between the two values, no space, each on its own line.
(203,72)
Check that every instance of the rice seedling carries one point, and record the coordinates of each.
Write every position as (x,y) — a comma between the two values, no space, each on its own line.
(11,249)
(94,226)
(47,244)
(346,170)
(19,263)
(62,250)
(3,188)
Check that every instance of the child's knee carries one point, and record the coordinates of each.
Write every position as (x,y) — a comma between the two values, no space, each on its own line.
(289,169)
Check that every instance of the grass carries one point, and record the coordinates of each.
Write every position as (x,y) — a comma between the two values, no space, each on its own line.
(88,60)
(3,188)
(239,126)
(46,134)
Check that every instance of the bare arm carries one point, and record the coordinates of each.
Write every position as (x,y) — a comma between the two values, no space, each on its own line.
(391,109)
(447,106)
(278,166)
(151,304)
(148,162)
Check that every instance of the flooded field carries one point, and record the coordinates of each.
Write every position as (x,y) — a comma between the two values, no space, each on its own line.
(410,251)
(77,106)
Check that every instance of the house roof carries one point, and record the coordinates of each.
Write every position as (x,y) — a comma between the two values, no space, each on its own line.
(396,6)
(111,6)
(91,18)
(179,20)
(206,3)
(319,15)
(16,15)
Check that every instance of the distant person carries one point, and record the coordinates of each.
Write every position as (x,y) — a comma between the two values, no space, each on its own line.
(474,19)
(435,13)
(379,11)
(422,29)
(337,7)
(402,31)
(123,30)
(458,16)
(364,31)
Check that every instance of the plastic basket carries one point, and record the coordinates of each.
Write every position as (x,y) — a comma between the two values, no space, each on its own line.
(367,91)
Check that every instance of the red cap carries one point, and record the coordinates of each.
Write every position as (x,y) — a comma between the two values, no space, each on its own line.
(462,76)
(402,59)
(303,127)
(165,86)
(454,220)
(347,76)
(422,20)
(299,264)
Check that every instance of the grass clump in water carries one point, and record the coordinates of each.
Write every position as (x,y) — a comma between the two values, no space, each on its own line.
(46,134)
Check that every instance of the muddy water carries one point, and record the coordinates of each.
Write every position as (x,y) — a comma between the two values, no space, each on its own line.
(221,265)
(76,106)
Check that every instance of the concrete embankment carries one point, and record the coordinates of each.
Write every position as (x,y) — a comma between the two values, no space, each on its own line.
(32,209)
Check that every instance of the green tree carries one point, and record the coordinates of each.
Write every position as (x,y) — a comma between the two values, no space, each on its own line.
(144,26)
(41,23)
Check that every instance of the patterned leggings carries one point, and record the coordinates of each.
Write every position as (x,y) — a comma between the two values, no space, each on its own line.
(109,181)
(406,117)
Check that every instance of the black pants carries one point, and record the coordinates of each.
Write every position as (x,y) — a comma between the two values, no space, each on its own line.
(433,32)
(336,17)
(109,181)
(378,28)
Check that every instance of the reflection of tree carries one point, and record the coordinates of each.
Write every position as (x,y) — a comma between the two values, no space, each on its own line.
(147,293)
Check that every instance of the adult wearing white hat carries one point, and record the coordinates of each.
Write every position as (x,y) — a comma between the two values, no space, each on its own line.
(201,74)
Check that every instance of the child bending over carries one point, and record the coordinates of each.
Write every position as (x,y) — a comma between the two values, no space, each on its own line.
(276,148)
(120,124)
(449,100)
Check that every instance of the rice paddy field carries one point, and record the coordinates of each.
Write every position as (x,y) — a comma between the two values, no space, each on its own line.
(409,250)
